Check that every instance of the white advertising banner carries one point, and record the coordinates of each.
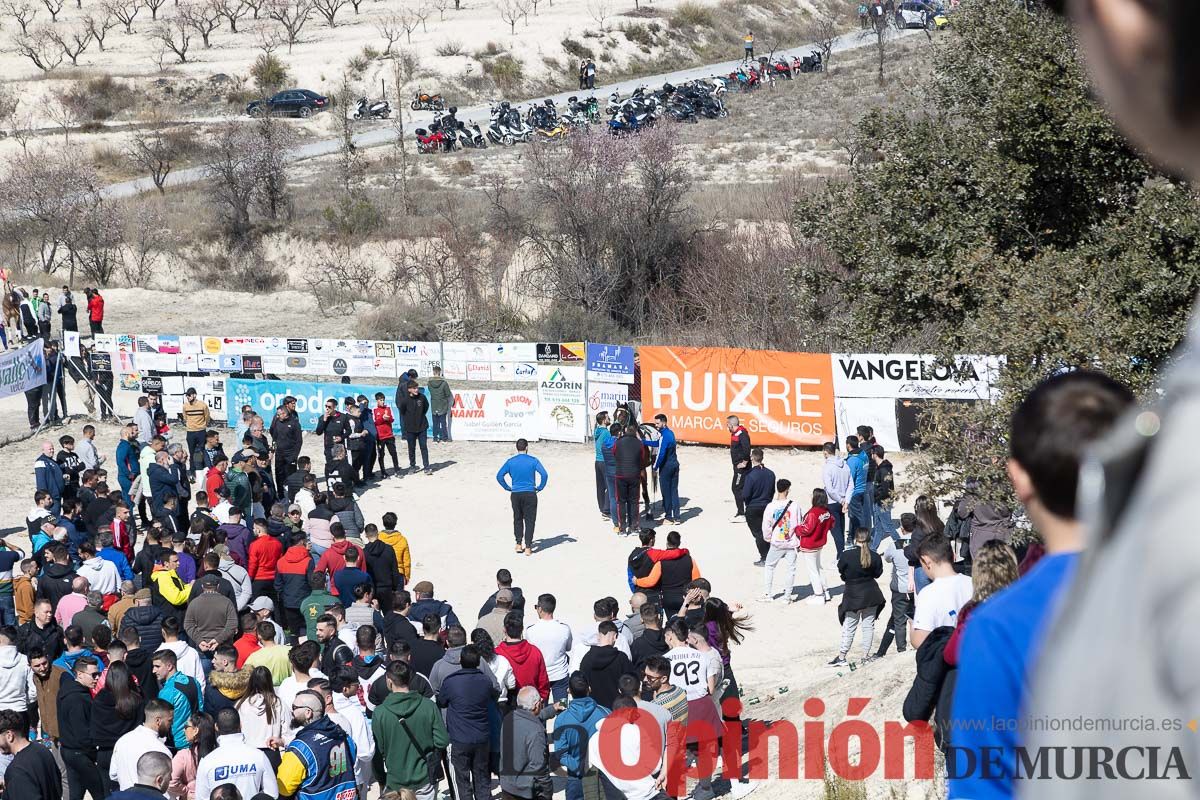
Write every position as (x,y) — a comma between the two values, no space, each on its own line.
(562,413)
(494,416)
(605,396)
(967,377)
(467,351)
(878,412)
(23,369)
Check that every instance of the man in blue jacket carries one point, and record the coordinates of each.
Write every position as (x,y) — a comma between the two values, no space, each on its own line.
(526,477)
(857,507)
(48,476)
(467,695)
(602,439)
(666,464)
(757,493)
(573,728)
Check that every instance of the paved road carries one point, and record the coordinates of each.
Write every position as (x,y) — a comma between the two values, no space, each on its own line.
(385,134)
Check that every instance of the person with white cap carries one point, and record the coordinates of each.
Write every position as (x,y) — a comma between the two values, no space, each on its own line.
(264,610)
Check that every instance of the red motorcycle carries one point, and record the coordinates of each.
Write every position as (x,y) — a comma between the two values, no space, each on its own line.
(430,141)
(782,69)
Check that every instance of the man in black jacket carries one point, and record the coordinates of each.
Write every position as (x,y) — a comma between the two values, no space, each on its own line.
(503,581)
(295,481)
(55,581)
(883,490)
(413,409)
(288,439)
(41,632)
(758,490)
(739,454)
(75,730)
(381,566)
(604,664)
(627,452)
(334,652)
(333,426)
(32,773)
(651,642)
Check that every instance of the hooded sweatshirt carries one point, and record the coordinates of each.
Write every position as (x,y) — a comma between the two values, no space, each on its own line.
(403,764)
(291,576)
(528,665)
(17,690)
(836,477)
(440,396)
(573,729)
(604,666)
(101,575)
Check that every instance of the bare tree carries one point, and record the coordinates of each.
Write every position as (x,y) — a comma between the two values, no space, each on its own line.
(233,168)
(441,6)
(66,110)
(123,10)
(356,4)
(510,12)
(39,48)
(408,21)
(291,16)
(390,29)
(600,11)
(822,33)
(145,243)
(154,6)
(175,35)
(54,7)
(882,31)
(400,162)
(73,41)
(155,151)
(329,9)
(254,5)
(21,11)
(268,41)
(98,25)
(231,10)
(271,143)
(202,17)
(50,191)
(422,13)
(95,241)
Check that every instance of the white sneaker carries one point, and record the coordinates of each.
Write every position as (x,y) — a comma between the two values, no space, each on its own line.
(815,600)
(739,789)
(766,598)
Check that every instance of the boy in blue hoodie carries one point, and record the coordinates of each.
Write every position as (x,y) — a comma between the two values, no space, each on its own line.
(573,728)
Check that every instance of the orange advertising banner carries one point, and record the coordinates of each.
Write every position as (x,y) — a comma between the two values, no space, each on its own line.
(781,398)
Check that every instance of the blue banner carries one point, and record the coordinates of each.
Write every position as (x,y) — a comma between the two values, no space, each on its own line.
(266,396)
(612,363)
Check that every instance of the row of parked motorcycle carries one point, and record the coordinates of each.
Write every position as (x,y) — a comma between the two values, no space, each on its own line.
(511,124)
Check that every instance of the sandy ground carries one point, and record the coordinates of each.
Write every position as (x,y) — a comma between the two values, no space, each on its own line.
(459,528)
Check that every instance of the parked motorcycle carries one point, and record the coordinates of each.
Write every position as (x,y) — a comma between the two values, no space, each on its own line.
(507,127)
(430,141)
(812,62)
(782,69)
(380,109)
(428,102)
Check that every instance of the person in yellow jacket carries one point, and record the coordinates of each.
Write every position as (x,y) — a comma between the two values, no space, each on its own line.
(196,418)
(748,41)
(167,589)
(395,539)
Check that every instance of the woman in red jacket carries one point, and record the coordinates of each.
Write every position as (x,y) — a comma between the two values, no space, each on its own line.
(814,530)
(95,308)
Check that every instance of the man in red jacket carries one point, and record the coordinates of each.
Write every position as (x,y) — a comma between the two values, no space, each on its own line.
(262,555)
(529,668)
(95,308)
(385,438)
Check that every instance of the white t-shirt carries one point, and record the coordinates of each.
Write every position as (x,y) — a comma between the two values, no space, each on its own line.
(139,741)
(690,671)
(939,602)
(287,691)
(554,640)
(642,788)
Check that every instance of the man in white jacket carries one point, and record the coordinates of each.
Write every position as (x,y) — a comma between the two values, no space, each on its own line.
(235,762)
(145,738)
(17,689)
(101,574)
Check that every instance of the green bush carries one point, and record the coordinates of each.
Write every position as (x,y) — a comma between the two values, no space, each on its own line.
(577,49)
(353,218)
(506,71)
(358,65)
(448,48)
(269,73)
(370,53)
(692,15)
(638,34)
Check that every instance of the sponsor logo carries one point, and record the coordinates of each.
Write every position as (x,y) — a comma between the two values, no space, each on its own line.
(227,771)
(909,369)
(296,362)
(340,366)
(211,345)
(297,345)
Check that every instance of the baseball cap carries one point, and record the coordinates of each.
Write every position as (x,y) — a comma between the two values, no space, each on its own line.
(262,604)
(424,587)
(210,580)
(179,537)
(294,507)
(505,595)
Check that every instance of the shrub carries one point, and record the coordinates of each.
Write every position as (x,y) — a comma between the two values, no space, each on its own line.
(564,322)
(353,218)
(399,320)
(370,52)
(269,73)
(506,71)
(638,34)
(242,268)
(462,167)
(357,65)
(100,99)
(692,15)
(492,49)
(449,48)
(577,49)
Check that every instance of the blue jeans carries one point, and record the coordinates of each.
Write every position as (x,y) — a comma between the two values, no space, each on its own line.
(558,689)
(441,433)
(8,611)
(668,483)
(838,531)
(610,481)
(860,514)
(883,526)
(574,788)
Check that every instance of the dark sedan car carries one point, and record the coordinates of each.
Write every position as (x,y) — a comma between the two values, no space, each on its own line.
(290,103)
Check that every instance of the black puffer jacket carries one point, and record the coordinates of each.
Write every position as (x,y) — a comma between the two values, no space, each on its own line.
(55,583)
(862,590)
(933,687)
(627,452)
(148,621)
(48,639)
